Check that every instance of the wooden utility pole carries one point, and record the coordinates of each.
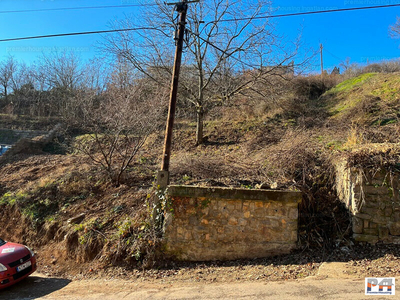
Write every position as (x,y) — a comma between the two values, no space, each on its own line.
(163,174)
(322,60)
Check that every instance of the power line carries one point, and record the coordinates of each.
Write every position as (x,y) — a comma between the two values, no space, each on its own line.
(230,20)
(310,13)
(333,55)
(73,8)
(221,50)
(226,20)
(75,33)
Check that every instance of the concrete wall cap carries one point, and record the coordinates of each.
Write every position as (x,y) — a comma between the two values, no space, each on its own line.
(233,193)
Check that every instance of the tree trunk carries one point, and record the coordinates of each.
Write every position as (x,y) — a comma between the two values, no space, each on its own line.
(199,126)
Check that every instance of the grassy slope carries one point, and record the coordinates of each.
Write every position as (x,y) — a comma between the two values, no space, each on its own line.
(370,99)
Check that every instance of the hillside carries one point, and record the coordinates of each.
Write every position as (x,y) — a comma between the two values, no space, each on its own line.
(289,147)
(370,103)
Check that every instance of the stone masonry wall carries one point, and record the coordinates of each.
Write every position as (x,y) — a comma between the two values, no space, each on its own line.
(10,137)
(31,146)
(222,223)
(373,200)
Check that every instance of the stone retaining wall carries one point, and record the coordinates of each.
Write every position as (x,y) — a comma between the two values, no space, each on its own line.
(373,200)
(31,146)
(10,136)
(222,223)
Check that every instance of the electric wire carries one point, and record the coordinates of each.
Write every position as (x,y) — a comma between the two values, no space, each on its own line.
(76,33)
(310,13)
(226,20)
(228,55)
(333,55)
(75,8)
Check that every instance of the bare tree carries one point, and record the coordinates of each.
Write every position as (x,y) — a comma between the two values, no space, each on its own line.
(226,40)
(7,71)
(119,121)
(60,75)
(63,69)
(394,30)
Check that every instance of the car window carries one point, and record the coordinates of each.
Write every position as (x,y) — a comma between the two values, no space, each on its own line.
(2,242)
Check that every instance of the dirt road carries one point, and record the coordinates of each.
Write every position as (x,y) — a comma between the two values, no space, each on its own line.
(330,283)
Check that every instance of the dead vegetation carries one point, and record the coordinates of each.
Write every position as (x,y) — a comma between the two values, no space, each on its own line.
(291,146)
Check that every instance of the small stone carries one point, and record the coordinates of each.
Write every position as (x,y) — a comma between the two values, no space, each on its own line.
(263,186)
(345,249)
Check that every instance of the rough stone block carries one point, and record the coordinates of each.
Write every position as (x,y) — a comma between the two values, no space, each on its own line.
(371,231)
(291,226)
(394,228)
(275,211)
(383,232)
(366,224)
(388,211)
(372,211)
(376,190)
(372,204)
(271,222)
(380,219)
(242,222)
(372,239)
(259,204)
(363,216)
(358,225)
(188,235)
(232,221)
(393,239)
(373,225)
(293,213)
(193,220)
(230,207)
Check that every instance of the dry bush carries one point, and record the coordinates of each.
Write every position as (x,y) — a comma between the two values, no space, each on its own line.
(207,167)
(300,159)
(375,157)
(355,137)
(266,96)
(312,87)
(119,127)
(385,66)
(297,157)
(302,103)
(285,95)
(289,97)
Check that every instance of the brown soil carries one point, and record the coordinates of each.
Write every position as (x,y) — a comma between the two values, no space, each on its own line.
(58,257)
(49,189)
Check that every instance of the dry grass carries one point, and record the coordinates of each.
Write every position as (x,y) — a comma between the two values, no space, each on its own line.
(292,144)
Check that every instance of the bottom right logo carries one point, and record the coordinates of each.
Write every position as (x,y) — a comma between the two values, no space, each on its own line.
(380,286)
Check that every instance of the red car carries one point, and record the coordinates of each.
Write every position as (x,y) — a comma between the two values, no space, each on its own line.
(16,263)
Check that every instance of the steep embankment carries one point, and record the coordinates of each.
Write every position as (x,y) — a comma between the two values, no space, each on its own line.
(368,104)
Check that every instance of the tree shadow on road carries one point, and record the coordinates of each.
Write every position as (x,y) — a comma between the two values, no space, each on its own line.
(33,287)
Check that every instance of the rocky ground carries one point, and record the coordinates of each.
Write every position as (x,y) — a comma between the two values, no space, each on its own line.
(358,261)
